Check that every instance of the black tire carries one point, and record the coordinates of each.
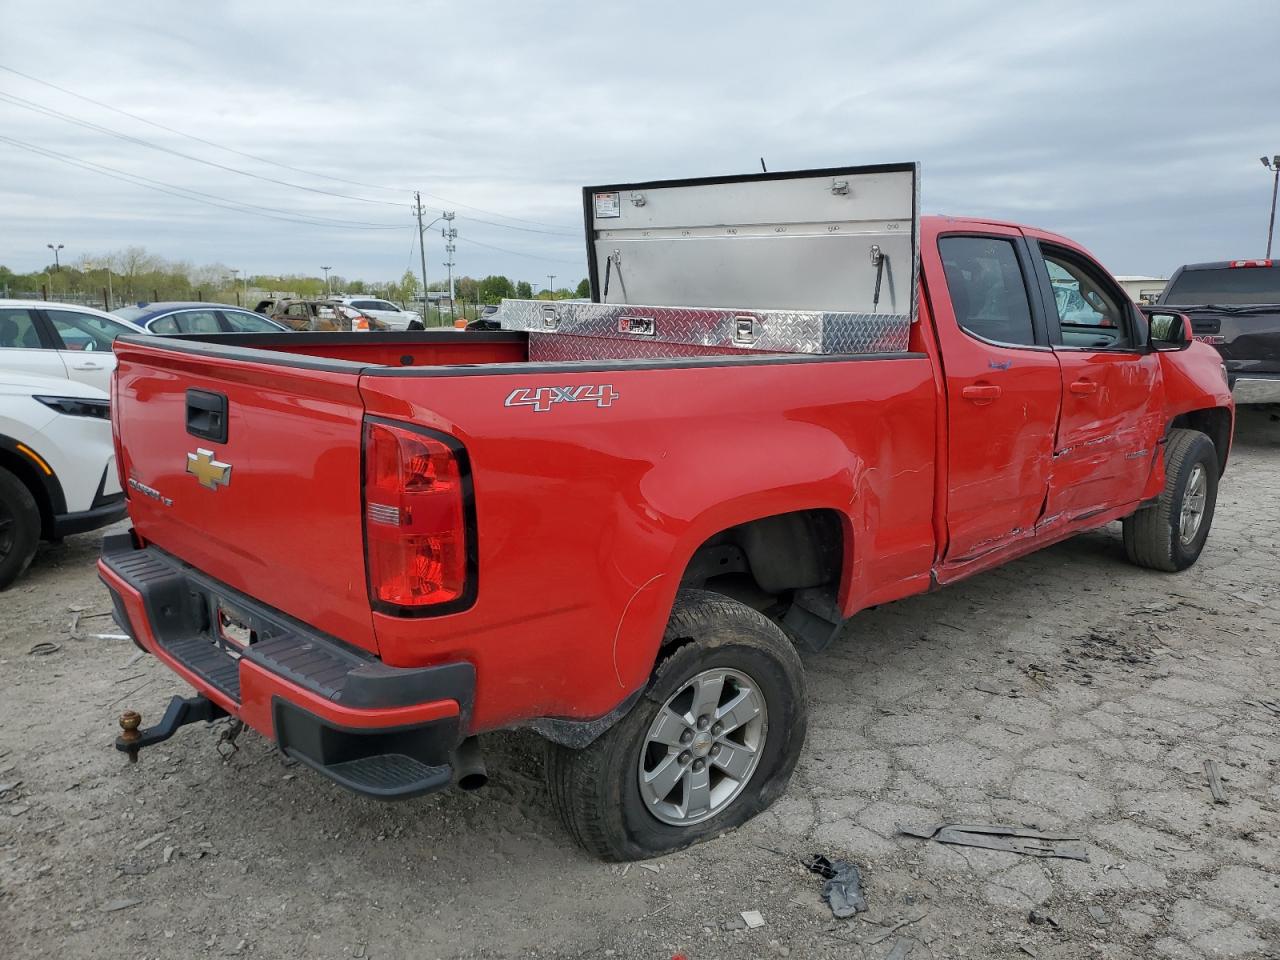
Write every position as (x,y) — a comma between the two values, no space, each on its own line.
(19,528)
(1152,536)
(596,790)
(416,325)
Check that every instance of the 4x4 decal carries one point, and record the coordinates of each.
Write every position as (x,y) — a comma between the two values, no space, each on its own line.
(542,398)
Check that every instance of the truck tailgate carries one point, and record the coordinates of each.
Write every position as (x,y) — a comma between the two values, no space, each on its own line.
(271,508)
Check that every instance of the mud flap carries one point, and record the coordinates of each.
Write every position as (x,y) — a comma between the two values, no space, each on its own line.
(812,620)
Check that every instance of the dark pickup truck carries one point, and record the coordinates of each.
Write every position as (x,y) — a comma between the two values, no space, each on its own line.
(1234,307)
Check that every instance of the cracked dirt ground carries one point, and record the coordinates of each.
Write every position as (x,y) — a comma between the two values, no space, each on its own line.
(1069,690)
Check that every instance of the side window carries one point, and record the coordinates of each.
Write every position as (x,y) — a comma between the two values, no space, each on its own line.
(246,322)
(84,331)
(18,329)
(198,321)
(1090,313)
(987,288)
(165,326)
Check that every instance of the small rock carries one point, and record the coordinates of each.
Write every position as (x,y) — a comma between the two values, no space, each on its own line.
(1099,916)
(111,906)
(752,918)
(168,854)
(1038,918)
(734,923)
(143,844)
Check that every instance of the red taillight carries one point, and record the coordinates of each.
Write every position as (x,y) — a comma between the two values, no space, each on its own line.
(1237,264)
(416,519)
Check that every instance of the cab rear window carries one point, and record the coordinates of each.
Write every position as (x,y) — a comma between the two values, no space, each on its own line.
(1229,285)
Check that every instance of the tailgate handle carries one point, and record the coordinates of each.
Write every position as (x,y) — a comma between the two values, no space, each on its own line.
(207,415)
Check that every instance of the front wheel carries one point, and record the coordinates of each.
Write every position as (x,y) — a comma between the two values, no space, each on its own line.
(19,528)
(1169,534)
(712,742)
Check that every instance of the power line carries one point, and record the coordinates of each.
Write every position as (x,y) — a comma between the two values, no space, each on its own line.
(550,233)
(192,136)
(188,194)
(57,114)
(266,160)
(517,253)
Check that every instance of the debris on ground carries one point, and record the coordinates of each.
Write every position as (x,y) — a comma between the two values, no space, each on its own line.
(1215,781)
(44,648)
(898,924)
(843,888)
(112,906)
(999,836)
(900,949)
(752,918)
(1042,919)
(1099,916)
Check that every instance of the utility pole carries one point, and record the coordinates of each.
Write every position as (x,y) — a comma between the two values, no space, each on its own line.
(422,249)
(57,267)
(326,270)
(551,287)
(422,245)
(450,234)
(1272,164)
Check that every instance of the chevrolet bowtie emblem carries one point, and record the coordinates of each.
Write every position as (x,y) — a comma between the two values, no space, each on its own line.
(210,472)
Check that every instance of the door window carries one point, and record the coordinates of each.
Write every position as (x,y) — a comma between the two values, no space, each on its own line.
(1090,312)
(84,331)
(18,329)
(987,289)
(165,326)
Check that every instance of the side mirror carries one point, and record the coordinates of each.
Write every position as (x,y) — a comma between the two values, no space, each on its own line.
(1168,330)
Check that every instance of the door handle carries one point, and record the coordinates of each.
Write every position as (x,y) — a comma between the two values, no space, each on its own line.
(87,365)
(982,393)
(1083,388)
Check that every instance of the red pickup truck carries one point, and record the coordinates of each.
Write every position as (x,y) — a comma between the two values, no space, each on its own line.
(614,522)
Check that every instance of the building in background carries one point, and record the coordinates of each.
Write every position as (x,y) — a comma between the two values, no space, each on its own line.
(1143,289)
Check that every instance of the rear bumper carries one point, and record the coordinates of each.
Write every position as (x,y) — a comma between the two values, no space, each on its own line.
(377,730)
(1256,388)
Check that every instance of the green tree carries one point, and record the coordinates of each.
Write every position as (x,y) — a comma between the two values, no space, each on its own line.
(494,288)
(584,289)
(524,291)
(466,289)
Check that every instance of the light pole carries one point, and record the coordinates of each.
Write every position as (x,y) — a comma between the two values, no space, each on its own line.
(57,266)
(326,270)
(1272,164)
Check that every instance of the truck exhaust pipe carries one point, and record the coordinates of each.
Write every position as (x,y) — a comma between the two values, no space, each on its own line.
(469,763)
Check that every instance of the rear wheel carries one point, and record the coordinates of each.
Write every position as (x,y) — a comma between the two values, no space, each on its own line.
(1170,534)
(19,528)
(712,742)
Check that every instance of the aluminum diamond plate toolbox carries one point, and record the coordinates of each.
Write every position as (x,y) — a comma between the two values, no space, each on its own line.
(656,331)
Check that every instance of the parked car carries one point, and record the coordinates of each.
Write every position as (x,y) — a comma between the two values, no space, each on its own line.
(394,317)
(573,524)
(1234,307)
(176,317)
(60,340)
(57,465)
(324,316)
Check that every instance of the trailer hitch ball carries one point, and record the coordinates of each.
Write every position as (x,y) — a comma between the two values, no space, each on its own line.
(130,720)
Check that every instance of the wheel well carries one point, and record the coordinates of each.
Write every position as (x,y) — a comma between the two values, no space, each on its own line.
(1214,422)
(25,471)
(768,558)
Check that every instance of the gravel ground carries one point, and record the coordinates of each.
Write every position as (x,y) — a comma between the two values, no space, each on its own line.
(1067,690)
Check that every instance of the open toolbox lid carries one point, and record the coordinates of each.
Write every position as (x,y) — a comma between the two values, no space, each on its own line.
(814,261)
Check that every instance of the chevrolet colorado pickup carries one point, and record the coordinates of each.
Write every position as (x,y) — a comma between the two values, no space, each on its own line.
(1234,306)
(614,522)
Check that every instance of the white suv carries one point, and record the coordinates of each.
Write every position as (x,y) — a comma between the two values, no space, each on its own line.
(57,465)
(59,340)
(384,310)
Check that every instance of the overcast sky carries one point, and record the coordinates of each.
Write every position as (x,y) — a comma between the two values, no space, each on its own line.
(1134,128)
